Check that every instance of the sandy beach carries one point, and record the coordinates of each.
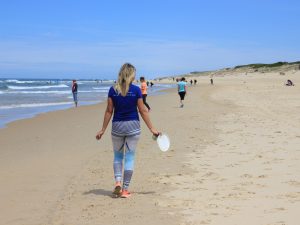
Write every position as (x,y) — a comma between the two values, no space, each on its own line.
(234,159)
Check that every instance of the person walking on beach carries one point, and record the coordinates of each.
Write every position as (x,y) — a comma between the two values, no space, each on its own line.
(289,83)
(212,79)
(182,90)
(144,92)
(124,102)
(74,92)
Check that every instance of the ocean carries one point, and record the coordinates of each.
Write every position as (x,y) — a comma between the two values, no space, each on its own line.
(25,98)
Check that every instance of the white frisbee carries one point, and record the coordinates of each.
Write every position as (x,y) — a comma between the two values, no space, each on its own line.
(163,142)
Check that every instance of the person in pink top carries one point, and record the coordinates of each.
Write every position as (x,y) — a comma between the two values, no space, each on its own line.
(144,91)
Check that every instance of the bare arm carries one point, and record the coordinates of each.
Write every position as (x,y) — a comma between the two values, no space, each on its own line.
(145,115)
(107,116)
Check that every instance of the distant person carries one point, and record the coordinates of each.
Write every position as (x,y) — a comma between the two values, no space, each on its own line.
(195,82)
(191,81)
(125,103)
(182,90)
(74,92)
(147,83)
(211,80)
(289,83)
(151,84)
(144,92)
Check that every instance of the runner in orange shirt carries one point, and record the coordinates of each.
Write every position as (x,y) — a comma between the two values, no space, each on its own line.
(144,91)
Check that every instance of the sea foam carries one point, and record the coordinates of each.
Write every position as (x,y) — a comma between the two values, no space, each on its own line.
(34,105)
(37,87)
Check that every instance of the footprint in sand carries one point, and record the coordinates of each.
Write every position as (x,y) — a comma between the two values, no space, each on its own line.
(229,165)
(274,210)
(205,222)
(261,185)
(262,176)
(291,197)
(246,183)
(211,174)
(293,183)
(246,176)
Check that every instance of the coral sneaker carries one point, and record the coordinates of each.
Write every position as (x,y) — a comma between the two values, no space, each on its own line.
(117,192)
(125,194)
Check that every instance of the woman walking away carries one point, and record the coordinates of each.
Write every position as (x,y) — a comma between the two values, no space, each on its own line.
(124,101)
(181,90)
(144,91)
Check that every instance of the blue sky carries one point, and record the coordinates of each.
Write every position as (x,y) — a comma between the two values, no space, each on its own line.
(92,39)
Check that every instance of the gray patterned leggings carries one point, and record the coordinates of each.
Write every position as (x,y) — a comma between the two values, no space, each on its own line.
(124,150)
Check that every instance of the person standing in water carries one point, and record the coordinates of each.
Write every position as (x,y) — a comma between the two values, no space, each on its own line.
(124,102)
(182,90)
(144,92)
(74,92)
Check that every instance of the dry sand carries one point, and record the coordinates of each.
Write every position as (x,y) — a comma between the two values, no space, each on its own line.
(234,159)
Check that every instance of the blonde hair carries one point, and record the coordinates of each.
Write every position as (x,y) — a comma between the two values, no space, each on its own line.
(126,76)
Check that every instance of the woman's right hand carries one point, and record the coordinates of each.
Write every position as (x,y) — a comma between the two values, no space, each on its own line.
(99,134)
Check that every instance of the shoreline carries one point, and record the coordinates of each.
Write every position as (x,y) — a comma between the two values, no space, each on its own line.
(44,110)
(35,111)
(229,161)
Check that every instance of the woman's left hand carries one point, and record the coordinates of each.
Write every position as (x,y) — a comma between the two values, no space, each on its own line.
(154,132)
